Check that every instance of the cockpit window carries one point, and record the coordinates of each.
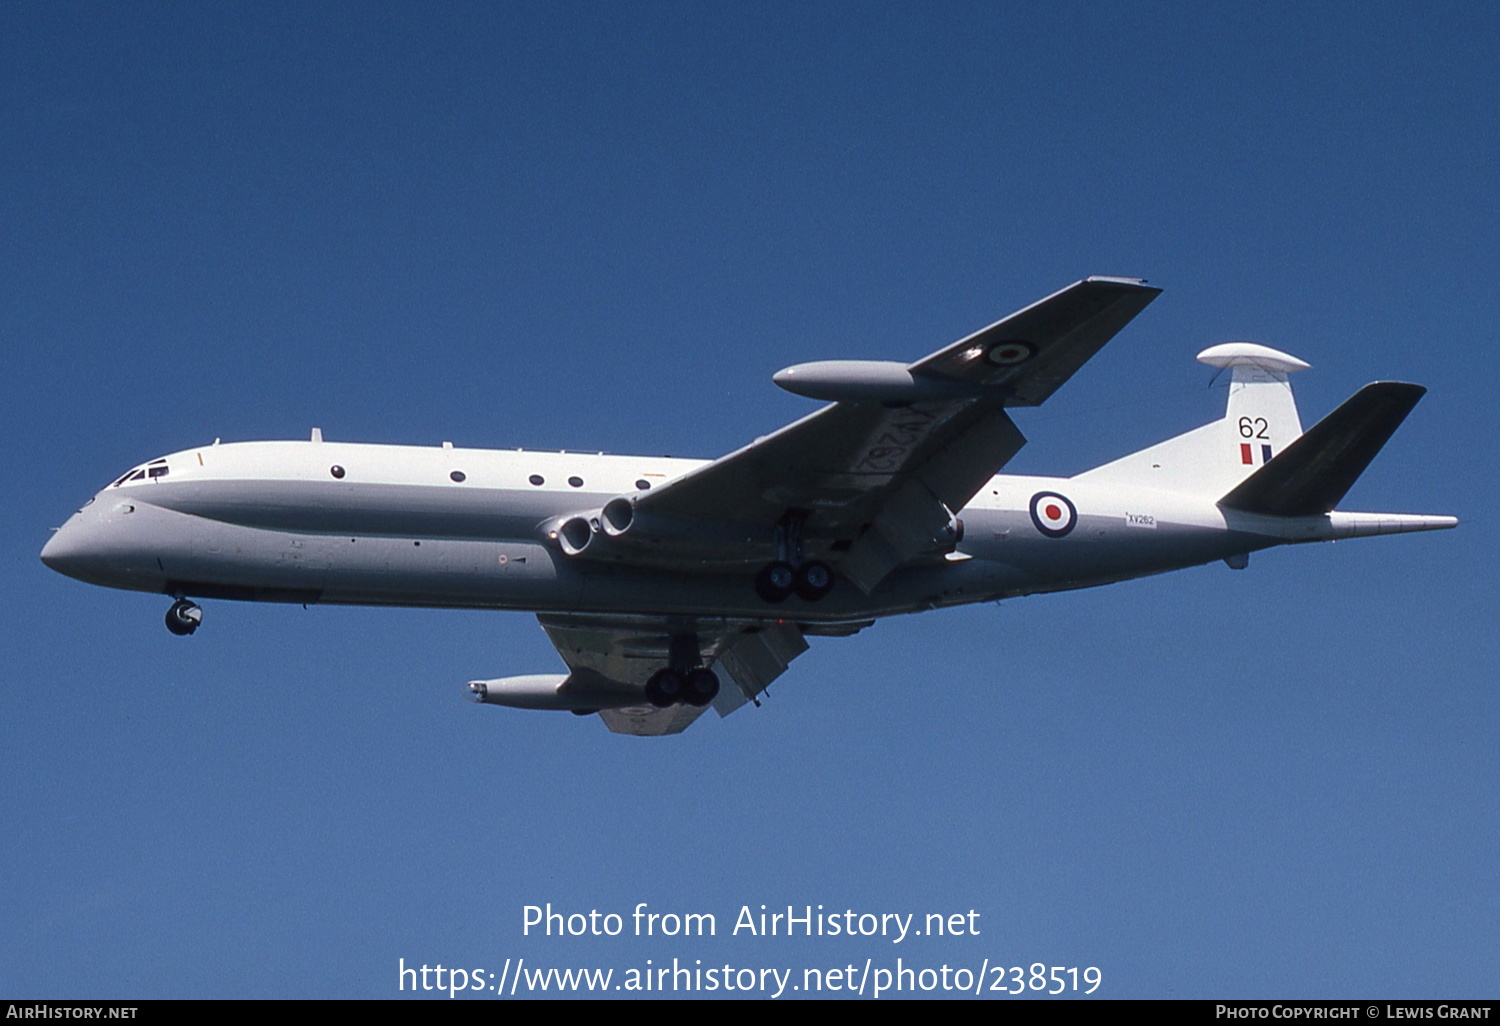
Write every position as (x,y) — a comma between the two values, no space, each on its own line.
(153,470)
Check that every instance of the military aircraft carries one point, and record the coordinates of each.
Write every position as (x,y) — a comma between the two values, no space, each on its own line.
(660,579)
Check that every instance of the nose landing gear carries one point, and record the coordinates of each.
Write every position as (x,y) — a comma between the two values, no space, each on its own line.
(184,617)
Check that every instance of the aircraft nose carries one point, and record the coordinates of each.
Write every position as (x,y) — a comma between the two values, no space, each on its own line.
(81,547)
(65,552)
(116,544)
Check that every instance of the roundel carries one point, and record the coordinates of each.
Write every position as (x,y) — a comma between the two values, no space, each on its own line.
(1006,354)
(1053,514)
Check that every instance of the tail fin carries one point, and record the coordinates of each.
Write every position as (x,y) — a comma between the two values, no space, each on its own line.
(1261,406)
(1259,422)
(1312,474)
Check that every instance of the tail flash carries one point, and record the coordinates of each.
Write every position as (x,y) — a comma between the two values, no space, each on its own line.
(1312,474)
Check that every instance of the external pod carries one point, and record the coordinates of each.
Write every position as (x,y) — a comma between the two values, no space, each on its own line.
(881,381)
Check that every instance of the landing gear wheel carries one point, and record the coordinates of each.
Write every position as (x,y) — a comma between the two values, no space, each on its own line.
(775,580)
(700,686)
(814,580)
(664,688)
(184,617)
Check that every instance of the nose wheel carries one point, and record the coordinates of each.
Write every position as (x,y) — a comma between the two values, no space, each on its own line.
(184,617)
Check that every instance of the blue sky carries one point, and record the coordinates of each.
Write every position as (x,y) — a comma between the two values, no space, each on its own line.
(605,226)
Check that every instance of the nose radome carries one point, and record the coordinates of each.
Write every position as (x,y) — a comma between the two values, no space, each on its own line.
(75,550)
(113,547)
(62,551)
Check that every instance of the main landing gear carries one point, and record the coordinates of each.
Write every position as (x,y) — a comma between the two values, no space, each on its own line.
(683,681)
(184,617)
(667,686)
(810,579)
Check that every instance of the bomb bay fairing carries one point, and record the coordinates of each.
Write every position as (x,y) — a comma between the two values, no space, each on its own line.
(669,585)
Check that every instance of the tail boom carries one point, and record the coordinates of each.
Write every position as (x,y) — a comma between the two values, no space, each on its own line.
(1365,525)
(1333,526)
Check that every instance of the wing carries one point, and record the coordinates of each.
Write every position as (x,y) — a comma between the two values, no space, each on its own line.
(626,650)
(1028,355)
(871,484)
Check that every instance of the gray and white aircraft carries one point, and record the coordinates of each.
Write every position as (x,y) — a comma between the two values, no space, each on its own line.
(668,585)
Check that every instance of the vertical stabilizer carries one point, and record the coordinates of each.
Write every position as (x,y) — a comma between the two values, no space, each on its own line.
(1261,408)
(1260,420)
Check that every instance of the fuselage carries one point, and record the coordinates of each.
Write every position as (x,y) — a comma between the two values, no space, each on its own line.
(317,521)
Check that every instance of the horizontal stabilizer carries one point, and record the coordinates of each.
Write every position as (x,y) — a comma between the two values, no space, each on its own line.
(1312,474)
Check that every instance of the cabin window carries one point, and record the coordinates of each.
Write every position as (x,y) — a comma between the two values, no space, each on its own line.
(458,476)
(642,485)
(576,482)
(537,479)
(336,470)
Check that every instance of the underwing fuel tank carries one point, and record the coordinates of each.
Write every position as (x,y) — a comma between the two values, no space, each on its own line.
(577,691)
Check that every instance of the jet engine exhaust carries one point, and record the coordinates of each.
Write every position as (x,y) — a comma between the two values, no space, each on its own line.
(617,516)
(574,535)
